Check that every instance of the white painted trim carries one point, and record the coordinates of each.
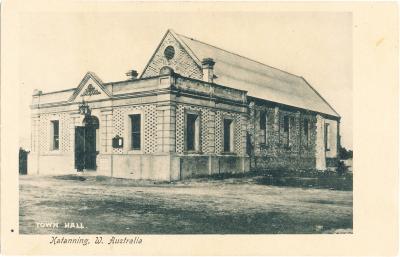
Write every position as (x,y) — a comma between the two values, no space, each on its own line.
(232,133)
(327,133)
(96,113)
(197,136)
(54,117)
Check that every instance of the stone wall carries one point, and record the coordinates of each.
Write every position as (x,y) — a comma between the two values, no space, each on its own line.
(211,159)
(204,165)
(282,149)
(211,129)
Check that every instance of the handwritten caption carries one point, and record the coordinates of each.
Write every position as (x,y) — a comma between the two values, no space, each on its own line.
(98,240)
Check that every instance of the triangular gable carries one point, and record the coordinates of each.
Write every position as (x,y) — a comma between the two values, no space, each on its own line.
(186,47)
(236,71)
(185,62)
(90,89)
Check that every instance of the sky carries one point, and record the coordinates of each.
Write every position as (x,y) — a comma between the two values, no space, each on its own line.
(57,49)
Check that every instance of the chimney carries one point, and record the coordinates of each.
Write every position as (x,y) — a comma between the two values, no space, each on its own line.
(208,69)
(132,74)
(37,92)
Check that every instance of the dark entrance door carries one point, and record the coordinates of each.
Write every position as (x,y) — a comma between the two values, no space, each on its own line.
(79,148)
(90,147)
(85,144)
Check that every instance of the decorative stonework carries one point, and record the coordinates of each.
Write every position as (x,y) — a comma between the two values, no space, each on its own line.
(182,63)
(150,126)
(44,137)
(90,90)
(211,129)
(275,154)
(205,115)
(239,147)
(43,126)
(65,143)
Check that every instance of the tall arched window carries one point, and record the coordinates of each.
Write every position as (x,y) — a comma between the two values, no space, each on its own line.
(263,128)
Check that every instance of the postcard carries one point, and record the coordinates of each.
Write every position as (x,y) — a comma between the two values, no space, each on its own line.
(208,128)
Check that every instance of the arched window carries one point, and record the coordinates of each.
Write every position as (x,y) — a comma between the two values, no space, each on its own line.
(166,70)
(92,121)
(263,128)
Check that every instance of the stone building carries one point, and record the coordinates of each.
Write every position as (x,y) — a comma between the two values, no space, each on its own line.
(195,110)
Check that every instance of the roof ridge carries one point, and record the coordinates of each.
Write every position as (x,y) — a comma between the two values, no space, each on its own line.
(186,47)
(237,55)
(323,99)
(154,53)
(95,76)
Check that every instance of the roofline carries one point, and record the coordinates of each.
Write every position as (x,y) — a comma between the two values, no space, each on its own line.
(84,80)
(338,115)
(209,83)
(129,81)
(55,92)
(154,53)
(195,58)
(293,107)
(187,49)
(96,77)
(239,55)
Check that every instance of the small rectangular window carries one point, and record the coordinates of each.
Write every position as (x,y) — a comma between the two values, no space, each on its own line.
(228,135)
(192,133)
(327,137)
(56,134)
(135,131)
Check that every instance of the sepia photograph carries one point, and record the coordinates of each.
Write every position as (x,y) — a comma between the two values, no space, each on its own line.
(186,123)
(199,128)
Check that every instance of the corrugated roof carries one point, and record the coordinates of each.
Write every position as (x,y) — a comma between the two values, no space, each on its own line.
(258,79)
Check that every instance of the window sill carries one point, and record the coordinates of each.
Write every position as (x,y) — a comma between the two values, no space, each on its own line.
(193,152)
(228,153)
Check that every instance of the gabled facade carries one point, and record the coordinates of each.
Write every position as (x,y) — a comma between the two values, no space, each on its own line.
(195,110)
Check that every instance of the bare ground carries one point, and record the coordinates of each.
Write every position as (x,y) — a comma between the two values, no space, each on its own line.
(198,206)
